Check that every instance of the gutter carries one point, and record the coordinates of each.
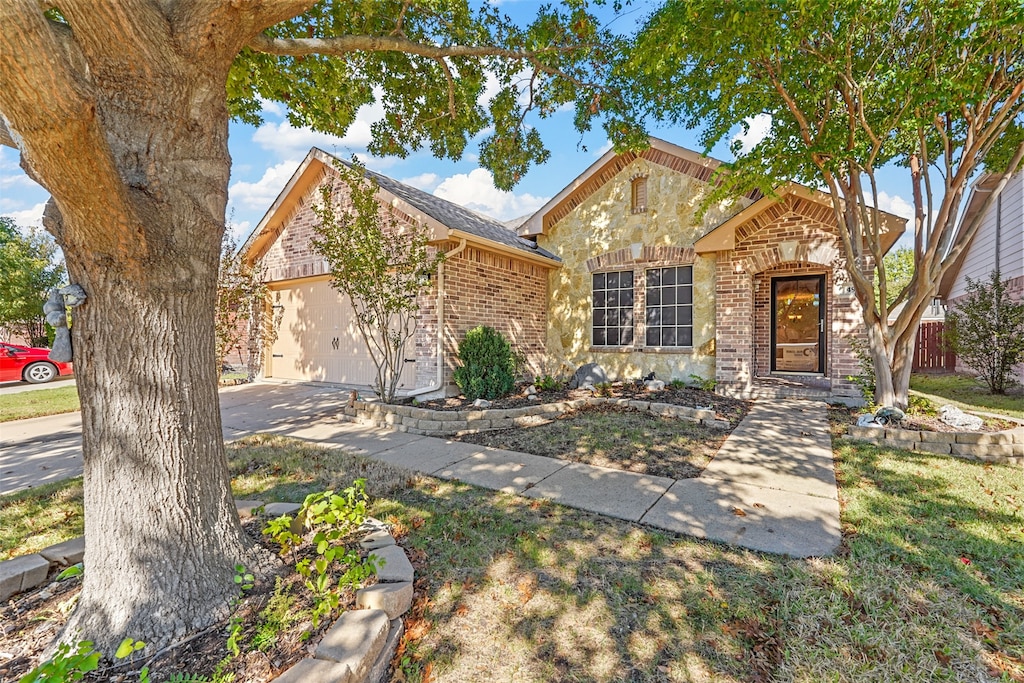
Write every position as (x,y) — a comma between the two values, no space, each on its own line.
(439,381)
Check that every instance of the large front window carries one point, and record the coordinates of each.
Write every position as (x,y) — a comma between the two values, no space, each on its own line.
(669,306)
(613,308)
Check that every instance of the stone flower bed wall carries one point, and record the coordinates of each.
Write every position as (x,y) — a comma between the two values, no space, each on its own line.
(1002,447)
(359,646)
(454,422)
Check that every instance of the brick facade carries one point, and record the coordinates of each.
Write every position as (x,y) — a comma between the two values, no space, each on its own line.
(743,290)
(488,288)
(482,287)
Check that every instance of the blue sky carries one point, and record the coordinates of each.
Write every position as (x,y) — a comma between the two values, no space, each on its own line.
(264,157)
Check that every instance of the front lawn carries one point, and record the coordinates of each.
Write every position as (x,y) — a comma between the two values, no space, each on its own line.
(26,404)
(615,437)
(926,588)
(968,393)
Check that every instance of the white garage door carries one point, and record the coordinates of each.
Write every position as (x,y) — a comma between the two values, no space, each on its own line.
(318,340)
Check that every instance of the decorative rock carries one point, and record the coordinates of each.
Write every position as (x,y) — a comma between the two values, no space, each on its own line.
(66,553)
(21,574)
(355,640)
(532,397)
(377,539)
(587,386)
(654,385)
(371,524)
(379,670)
(393,598)
(867,421)
(316,671)
(278,509)
(531,390)
(887,415)
(591,373)
(395,566)
(245,507)
(481,403)
(955,417)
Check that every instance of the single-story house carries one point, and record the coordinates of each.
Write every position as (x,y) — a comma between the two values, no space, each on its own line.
(615,269)
(489,276)
(997,245)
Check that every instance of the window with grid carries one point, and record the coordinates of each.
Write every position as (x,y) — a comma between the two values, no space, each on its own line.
(639,203)
(613,308)
(669,306)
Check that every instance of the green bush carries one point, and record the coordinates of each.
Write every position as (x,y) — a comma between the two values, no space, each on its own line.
(488,364)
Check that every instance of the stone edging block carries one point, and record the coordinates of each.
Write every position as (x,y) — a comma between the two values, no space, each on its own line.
(427,422)
(22,573)
(359,646)
(1005,447)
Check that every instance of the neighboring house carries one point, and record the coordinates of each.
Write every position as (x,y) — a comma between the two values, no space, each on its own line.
(997,245)
(490,276)
(754,295)
(615,269)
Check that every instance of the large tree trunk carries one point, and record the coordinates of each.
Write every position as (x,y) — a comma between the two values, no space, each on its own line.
(133,149)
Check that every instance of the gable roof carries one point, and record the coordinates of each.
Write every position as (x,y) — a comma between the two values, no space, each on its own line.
(805,200)
(607,167)
(445,219)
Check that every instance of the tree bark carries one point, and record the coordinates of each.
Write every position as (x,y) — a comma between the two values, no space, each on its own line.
(124,120)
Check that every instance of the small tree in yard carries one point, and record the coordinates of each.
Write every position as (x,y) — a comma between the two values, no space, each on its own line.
(987,331)
(488,367)
(379,264)
(241,313)
(29,271)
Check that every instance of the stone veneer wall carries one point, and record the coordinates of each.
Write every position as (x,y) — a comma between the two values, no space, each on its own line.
(596,236)
(744,290)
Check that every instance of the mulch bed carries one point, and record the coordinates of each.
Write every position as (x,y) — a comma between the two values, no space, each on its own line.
(31,620)
(922,422)
(731,409)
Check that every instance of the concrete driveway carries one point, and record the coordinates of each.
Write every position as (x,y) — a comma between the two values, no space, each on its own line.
(47,449)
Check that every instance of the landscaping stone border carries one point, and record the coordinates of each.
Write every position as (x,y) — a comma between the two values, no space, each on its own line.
(426,422)
(358,648)
(1005,447)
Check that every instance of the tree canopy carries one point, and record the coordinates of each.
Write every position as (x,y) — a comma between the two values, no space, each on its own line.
(120,109)
(30,269)
(851,87)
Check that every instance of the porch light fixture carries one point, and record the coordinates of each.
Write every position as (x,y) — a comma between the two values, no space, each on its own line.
(787,250)
(636,249)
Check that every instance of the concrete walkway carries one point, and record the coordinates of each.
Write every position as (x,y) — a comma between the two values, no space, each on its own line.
(771,487)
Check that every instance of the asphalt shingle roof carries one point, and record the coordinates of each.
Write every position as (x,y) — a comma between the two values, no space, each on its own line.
(458,217)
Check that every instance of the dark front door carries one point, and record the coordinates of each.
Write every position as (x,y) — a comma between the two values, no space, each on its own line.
(798,324)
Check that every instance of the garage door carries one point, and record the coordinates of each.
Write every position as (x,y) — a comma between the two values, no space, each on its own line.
(318,340)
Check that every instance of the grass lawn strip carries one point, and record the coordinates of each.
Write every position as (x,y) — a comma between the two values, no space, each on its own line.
(39,517)
(967,393)
(927,589)
(38,403)
(620,438)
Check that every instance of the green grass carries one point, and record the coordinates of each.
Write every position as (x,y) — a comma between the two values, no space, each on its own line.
(968,393)
(623,439)
(39,517)
(926,588)
(38,403)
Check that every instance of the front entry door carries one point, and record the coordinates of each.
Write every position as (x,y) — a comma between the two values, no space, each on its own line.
(798,324)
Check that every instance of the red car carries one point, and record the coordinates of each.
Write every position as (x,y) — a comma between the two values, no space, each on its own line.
(29,364)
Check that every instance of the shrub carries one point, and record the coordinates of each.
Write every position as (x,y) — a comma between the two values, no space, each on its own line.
(986,330)
(488,364)
(548,383)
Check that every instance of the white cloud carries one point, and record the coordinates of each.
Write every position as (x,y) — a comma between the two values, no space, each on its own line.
(599,152)
(476,191)
(757,130)
(262,193)
(239,230)
(271,108)
(288,142)
(424,181)
(895,204)
(27,217)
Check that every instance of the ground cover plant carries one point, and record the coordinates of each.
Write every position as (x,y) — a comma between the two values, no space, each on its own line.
(926,587)
(612,436)
(967,392)
(38,403)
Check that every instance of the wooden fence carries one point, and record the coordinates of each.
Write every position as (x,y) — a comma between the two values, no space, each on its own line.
(930,353)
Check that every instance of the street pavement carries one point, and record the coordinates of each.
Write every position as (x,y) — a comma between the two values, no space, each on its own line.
(771,487)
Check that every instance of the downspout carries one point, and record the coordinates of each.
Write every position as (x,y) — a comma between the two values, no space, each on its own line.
(439,382)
